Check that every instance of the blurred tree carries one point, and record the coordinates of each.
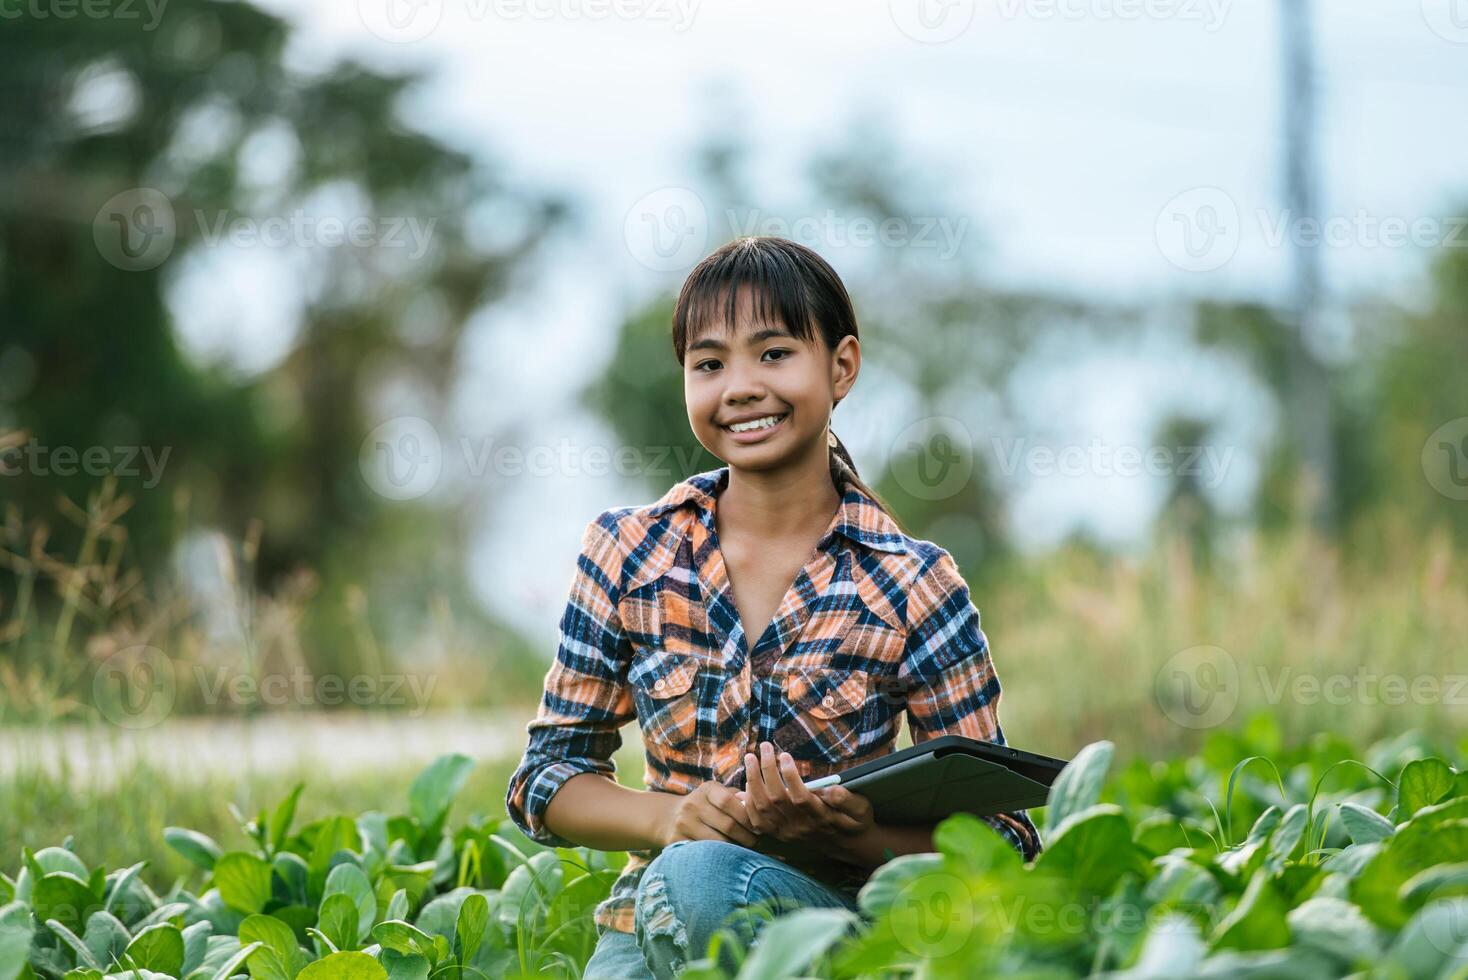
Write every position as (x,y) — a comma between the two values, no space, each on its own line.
(1403,384)
(190,106)
(1188,511)
(1270,349)
(640,395)
(1417,402)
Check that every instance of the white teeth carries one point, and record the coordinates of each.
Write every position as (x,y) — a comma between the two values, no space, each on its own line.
(763,423)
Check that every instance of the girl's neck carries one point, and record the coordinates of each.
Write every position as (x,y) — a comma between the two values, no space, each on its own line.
(773,505)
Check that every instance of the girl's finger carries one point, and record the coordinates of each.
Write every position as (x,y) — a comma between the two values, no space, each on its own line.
(840,798)
(754,781)
(717,822)
(735,811)
(795,786)
(844,821)
(786,810)
(730,828)
(774,782)
(702,831)
(761,808)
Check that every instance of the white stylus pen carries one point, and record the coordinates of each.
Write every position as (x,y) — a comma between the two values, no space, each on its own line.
(832,780)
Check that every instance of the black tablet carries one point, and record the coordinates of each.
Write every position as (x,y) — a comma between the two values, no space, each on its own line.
(949,774)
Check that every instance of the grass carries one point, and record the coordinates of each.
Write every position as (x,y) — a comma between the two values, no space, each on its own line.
(1367,647)
(1363,637)
(117,825)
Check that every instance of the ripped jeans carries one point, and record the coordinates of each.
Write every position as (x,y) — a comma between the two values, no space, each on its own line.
(691,890)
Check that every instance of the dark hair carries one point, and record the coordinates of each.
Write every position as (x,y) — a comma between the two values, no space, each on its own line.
(789,283)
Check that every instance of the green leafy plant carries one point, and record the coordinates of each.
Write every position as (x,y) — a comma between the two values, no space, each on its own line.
(1147,871)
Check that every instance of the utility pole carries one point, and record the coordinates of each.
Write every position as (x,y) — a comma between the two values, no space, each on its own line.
(1308,400)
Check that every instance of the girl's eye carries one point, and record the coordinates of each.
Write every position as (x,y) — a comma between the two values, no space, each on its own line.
(711,363)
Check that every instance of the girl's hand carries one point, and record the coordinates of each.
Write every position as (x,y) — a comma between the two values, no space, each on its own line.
(779,804)
(854,805)
(712,811)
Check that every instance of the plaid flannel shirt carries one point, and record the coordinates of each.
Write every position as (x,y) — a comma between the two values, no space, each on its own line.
(877,624)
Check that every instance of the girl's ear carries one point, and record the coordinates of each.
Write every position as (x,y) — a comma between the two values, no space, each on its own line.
(845,366)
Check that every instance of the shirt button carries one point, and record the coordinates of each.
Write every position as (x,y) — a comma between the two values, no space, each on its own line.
(660,684)
(828,700)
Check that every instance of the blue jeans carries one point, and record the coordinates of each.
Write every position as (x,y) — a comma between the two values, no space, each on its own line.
(691,890)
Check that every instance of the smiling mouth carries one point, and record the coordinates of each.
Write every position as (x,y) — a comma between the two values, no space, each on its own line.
(756,425)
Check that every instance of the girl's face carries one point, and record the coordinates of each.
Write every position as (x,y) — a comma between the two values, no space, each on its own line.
(762,374)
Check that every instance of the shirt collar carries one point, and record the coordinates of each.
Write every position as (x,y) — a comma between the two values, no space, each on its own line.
(859,517)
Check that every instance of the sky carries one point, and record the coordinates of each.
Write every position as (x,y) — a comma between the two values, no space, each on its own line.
(1119,150)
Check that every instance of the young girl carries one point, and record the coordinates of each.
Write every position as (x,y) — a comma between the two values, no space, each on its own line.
(767,623)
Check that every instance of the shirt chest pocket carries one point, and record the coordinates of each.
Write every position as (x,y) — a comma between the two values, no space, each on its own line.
(666,690)
(829,712)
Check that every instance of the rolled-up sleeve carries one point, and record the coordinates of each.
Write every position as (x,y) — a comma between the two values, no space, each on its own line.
(951,683)
(586,700)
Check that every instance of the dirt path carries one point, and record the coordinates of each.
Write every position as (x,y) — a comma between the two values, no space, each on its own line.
(98,754)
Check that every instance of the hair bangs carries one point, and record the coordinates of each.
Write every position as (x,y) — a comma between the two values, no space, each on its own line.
(715,294)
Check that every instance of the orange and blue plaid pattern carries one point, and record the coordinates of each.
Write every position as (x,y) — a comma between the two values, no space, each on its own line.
(877,624)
